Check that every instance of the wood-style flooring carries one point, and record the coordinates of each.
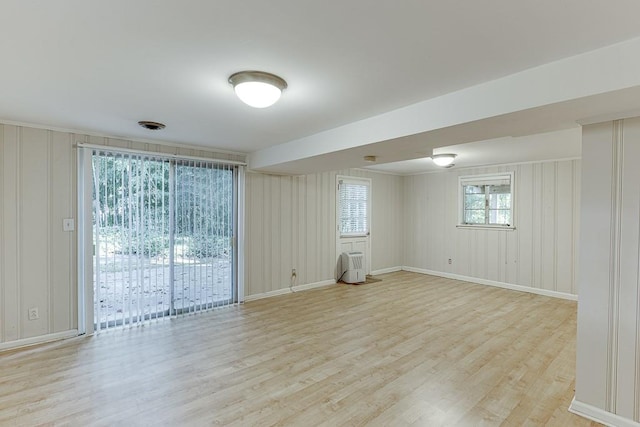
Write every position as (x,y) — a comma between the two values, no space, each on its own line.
(409,350)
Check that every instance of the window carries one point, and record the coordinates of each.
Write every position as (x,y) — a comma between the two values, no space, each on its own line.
(353,208)
(486,200)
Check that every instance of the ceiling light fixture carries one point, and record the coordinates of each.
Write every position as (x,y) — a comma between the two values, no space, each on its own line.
(370,159)
(151,125)
(443,160)
(257,88)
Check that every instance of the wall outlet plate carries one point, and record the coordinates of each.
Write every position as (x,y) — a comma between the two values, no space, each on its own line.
(68,224)
(33,313)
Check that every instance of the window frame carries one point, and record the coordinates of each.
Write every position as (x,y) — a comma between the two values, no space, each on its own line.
(477,179)
(354,181)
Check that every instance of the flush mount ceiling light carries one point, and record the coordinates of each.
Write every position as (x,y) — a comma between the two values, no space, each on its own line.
(151,125)
(443,160)
(257,88)
(370,159)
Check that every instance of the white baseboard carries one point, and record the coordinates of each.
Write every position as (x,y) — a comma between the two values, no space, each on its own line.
(283,291)
(599,415)
(504,285)
(10,345)
(386,270)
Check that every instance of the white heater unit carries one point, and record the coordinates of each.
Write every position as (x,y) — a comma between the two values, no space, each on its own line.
(352,267)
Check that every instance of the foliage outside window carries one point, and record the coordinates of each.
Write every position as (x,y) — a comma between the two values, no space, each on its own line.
(132,200)
(486,200)
(353,208)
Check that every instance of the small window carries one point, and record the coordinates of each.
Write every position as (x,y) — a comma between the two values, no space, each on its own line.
(353,208)
(486,200)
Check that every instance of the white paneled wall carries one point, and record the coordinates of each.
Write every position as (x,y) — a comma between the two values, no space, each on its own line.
(38,189)
(540,253)
(37,258)
(608,344)
(291,223)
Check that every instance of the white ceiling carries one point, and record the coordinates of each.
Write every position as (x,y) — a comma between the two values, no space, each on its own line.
(563,144)
(100,66)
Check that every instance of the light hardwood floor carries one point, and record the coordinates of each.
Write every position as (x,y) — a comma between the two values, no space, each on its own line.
(409,350)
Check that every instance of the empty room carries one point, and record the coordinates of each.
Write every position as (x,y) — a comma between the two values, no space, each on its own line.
(293,213)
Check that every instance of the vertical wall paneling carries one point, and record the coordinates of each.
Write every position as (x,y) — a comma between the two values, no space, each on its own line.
(35,236)
(321,212)
(524,212)
(3,156)
(548,249)
(37,257)
(274,225)
(267,252)
(312,227)
(38,260)
(301,232)
(11,242)
(595,230)
(286,228)
(303,276)
(537,225)
(50,234)
(577,182)
(614,262)
(564,237)
(629,237)
(608,349)
(538,253)
(325,207)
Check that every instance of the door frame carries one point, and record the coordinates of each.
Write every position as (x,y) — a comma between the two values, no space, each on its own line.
(367,237)
(85,295)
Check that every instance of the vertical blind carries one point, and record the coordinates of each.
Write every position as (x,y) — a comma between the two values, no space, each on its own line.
(353,207)
(163,237)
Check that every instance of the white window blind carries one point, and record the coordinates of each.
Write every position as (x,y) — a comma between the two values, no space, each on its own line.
(163,234)
(353,208)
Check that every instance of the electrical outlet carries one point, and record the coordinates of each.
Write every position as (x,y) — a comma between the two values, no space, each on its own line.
(68,224)
(449,261)
(293,272)
(33,313)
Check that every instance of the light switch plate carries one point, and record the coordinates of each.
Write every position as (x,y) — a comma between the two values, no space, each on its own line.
(68,224)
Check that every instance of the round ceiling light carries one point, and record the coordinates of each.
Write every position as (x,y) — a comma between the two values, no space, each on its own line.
(151,125)
(257,88)
(443,160)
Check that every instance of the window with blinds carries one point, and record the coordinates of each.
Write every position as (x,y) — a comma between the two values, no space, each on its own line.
(353,200)
(163,233)
(486,200)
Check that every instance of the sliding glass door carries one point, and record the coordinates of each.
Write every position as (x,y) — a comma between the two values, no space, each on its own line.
(163,237)
(203,238)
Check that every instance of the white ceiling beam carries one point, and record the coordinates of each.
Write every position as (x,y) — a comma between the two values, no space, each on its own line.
(604,70)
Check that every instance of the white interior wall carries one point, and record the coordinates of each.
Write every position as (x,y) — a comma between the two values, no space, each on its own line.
(291,223)
(38,189)
(37,259)
(539,254)
(608,343)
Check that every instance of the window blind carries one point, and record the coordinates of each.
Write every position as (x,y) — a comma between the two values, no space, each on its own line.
(163,237)
(354,205)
